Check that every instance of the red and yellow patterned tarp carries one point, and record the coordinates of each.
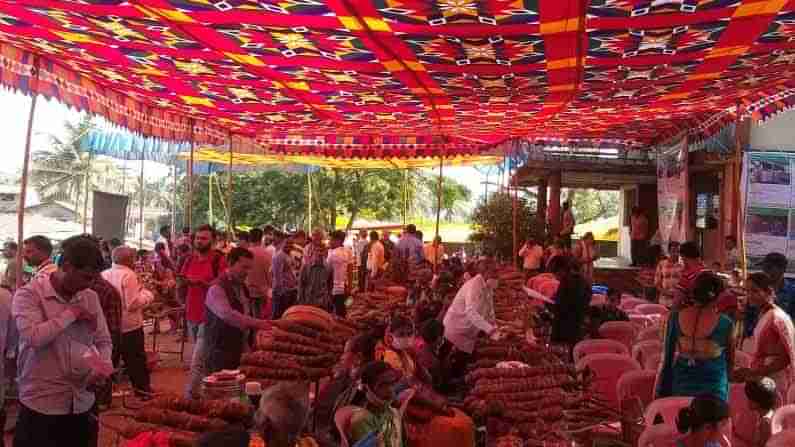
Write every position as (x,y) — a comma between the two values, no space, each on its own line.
(405,74)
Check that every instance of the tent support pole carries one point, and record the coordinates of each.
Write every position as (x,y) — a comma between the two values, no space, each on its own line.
(229,230)
(86,183)
(514,254)
(23,187)
(174,205)
(405,196)
(439,201)
(141,205)
(210,217)
(189,213)
(309,191)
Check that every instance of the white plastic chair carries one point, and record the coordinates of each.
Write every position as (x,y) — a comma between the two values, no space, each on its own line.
(784,438)
(668,408)
(650,333)
(742,359)
(661,435)
(607,368)
(644,349)
(598,346)
(651,309)
(638,384)
(622,331)
(783,419)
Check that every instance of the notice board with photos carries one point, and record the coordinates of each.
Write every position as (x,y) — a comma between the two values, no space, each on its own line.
(769,205)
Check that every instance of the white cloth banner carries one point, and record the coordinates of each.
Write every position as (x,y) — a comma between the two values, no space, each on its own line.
(672,184)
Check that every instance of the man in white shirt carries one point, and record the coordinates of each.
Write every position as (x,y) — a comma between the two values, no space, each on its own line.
(338,260)
(470,314)
(134,298)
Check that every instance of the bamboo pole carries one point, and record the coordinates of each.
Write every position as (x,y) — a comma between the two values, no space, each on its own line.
(174,205)
(229,230)
(309,191)
(23,187)
(515,252)
(124,192)
(210,217)
(86,183)
(439,196)
(141,204)
(405,196)
(189,207)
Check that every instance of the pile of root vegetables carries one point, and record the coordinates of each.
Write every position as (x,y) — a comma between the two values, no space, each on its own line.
(528,390)
(185,419)
(303,346)
(376,307)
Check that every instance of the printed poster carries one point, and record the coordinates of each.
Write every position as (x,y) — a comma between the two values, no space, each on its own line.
(672,192)
(769,180)
(769,206)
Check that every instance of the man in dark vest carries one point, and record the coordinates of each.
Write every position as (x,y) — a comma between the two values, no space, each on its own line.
(230,326)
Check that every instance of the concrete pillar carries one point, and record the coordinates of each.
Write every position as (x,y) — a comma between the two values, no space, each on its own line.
(541,206)
(554,202)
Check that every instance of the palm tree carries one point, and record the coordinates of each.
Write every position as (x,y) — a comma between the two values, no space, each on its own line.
(61,172)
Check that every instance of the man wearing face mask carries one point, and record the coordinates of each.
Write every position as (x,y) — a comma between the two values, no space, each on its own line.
(470,314)
(64,349)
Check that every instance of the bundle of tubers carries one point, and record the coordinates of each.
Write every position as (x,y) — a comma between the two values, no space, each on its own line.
(232,412)
(487,388)
(180,420)
(303,373)
(283,336)
(176,438)
(516,373)
(292,348)
(269,359)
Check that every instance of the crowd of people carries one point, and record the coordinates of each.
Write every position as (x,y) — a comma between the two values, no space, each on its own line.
(80,315)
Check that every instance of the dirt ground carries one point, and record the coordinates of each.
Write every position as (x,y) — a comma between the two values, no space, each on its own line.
(170,375)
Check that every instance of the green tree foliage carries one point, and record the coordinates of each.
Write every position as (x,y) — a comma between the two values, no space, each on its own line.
(280,197)
(65,171)
(591,204)
(492,223)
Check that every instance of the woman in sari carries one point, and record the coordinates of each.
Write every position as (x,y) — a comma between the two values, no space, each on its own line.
(377,423)
(343,390)
(774,336)
(699,346)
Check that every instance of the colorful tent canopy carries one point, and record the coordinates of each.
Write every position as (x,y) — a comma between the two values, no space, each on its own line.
(220,158)
(405,75)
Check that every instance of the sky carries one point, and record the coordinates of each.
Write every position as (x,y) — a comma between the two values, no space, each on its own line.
(49,119)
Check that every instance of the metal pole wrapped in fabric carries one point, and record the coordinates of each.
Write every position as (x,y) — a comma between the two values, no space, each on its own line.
(141,204)
(189,212)
(23,187)
(229,230)
(515,252)
(439,196)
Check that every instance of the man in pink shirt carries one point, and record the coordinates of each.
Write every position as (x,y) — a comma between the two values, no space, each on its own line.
(258,279)
(203,267)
